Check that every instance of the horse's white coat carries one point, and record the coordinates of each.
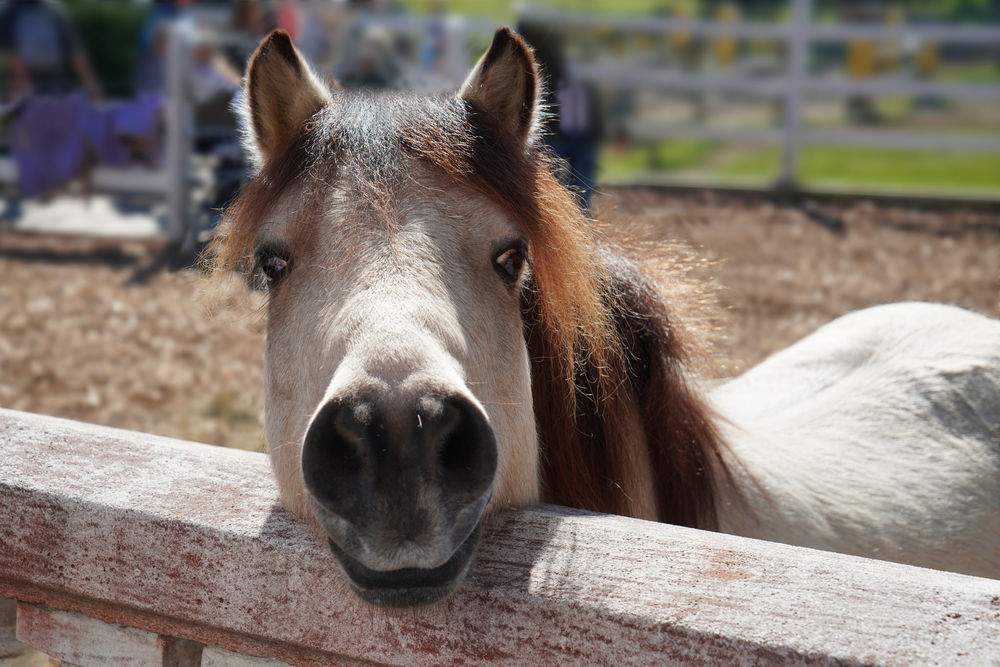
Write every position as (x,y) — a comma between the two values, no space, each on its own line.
(878,435)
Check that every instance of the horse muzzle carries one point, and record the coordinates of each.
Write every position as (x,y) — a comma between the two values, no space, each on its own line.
(400,493)
(410,586)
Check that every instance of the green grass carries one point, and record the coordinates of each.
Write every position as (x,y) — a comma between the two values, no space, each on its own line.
(819,166)
(667,156)
(506,10)
(986,71)
(873,168)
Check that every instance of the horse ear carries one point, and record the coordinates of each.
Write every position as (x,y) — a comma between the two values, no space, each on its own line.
(281,94)
(504,83)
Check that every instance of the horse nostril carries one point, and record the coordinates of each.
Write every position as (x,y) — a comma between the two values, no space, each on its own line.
(335,451)
(465,447)
(357,456)
(456,451)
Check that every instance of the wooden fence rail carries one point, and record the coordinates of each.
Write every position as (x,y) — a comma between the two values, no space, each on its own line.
(125,548)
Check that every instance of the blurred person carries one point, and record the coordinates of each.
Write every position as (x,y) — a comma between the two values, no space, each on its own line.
(317,25)
(376,63)
(435,41)
(287,14)
(42,52)
(209,73)
(44,58)
(249,22)
(150,73)
(573,127)
(209,82)
(212,74)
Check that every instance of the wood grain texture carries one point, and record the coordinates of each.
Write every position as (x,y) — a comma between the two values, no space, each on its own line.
(213,656)
(76,639)
(189,541)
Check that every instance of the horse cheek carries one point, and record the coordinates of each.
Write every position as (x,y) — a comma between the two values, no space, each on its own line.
(293,388)
(507,399)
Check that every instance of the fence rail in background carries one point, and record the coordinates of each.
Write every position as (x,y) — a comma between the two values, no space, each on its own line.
(968,35)
(794,85)
(123,544)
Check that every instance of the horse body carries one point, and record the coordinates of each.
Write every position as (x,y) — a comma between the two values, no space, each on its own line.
(878,435)
(446,339)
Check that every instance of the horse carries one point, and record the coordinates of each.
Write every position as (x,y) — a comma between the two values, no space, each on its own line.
(449,338)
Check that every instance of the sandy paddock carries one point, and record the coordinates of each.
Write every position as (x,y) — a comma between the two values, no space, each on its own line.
(174,354)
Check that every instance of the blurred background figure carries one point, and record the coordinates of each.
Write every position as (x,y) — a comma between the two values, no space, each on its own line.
(375,64)
(42,52)
(249,22)
(43,58)
(151,54)
(317,24)
(573,126)
(211,74)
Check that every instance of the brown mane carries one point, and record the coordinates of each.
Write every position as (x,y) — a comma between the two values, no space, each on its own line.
(598,335)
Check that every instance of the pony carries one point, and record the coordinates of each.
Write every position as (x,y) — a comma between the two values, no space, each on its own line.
(449,338)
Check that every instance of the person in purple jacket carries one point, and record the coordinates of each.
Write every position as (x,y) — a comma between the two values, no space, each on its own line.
(43,57)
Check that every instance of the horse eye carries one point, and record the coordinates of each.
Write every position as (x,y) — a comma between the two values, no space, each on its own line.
(509,264)
(271,267)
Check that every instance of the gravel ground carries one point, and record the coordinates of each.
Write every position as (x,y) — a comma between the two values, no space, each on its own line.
(85,334)
(778,272)
(82,338)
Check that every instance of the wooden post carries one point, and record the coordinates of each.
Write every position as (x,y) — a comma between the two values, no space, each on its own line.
(798,62)
(80,640)
(178,118)
(15,653)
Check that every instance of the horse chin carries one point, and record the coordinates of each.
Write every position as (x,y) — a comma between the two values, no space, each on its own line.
(408,587)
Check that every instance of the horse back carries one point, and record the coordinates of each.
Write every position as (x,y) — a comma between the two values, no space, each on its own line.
(877,435)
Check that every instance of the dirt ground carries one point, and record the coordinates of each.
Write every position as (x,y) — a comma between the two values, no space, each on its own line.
(85,333)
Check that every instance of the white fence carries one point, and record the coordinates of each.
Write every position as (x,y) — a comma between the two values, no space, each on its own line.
(795,85)
(123,548)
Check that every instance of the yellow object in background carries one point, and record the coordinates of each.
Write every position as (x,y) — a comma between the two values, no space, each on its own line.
(644,42)
(892,51)
(862,58)
(682,40)
(724,49)
(927,59)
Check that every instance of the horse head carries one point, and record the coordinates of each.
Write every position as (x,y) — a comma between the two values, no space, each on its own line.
(398,407)
(438,306)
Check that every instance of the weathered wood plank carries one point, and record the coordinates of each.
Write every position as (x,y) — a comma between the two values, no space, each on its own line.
(189,541)
(77,639)
(213,656)
(12,652)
